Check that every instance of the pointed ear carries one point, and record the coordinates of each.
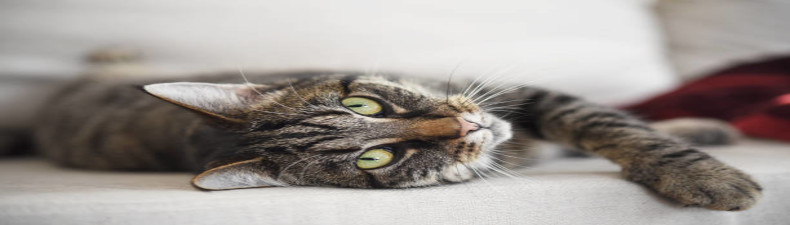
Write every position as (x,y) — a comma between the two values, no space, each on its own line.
(245,174)
(223,101)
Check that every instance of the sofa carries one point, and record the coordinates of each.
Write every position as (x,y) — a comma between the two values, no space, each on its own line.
(556,191)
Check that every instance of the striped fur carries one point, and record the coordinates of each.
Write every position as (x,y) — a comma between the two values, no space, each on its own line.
(294,131)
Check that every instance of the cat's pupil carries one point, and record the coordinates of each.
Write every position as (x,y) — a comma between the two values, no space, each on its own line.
(369,159)
(357,105)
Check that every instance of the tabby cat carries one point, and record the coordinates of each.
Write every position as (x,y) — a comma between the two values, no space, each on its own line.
(352,130)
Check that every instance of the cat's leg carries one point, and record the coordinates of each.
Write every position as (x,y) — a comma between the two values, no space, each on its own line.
(647,156)
(699,131)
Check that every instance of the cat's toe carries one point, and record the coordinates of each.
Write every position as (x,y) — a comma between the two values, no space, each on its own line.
(717,196)
(712,185)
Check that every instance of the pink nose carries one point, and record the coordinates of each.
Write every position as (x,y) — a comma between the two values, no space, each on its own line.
(466,126)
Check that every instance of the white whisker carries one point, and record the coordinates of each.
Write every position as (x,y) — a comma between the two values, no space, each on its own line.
(297,93)
(306,167)
(251,86)
(504,171)
(504,91)
(486,104)
(294,163)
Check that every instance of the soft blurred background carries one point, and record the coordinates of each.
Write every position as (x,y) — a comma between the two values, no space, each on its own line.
(610,51)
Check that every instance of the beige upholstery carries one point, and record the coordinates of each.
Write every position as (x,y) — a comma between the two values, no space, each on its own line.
(558,191)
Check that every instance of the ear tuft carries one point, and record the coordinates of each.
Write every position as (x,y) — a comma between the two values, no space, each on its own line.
(244,174)
(224,101)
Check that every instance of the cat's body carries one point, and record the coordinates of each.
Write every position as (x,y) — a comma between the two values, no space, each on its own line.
(317,128)
(118,126)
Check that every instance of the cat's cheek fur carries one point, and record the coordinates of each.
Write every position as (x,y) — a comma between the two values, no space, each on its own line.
(457,172)
(432,178)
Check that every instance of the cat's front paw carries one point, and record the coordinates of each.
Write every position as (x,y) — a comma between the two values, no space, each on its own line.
(701,181)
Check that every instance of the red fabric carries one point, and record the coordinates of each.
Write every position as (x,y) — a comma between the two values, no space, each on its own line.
(755,97)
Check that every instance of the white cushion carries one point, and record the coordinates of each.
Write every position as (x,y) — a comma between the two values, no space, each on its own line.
(557,191)
(607,50)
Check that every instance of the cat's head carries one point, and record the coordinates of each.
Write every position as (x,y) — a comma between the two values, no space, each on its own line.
(348,131)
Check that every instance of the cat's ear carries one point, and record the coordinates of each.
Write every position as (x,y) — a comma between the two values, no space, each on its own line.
(245,174)
(222,101)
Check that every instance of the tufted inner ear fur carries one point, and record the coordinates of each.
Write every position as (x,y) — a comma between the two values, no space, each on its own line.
(244,174)
(223,101)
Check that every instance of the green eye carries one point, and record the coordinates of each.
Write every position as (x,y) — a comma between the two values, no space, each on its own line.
(374,159)
(362,106)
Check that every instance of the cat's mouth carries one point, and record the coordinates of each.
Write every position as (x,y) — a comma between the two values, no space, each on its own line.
(492,131)
(498,129)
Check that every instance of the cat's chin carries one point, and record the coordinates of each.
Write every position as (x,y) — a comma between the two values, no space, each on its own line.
(496,131)
(501,131)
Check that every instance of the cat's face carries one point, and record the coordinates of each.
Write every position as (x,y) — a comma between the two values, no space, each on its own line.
(365,132)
